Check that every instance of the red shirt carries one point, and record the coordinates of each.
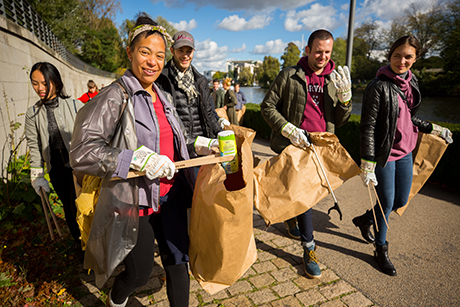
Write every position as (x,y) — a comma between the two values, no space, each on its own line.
(87,96)
(166,142)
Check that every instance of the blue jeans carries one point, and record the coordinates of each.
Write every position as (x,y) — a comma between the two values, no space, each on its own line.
(305,226)
(394,183)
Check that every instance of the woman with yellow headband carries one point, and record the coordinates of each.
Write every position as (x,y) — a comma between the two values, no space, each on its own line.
(131,125)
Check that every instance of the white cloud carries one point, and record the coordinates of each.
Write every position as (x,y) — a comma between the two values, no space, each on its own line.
(183,25)
(240,5)
(388,9)
(237,50)
(235,23)
(270,47)
(317,17)
(209,56)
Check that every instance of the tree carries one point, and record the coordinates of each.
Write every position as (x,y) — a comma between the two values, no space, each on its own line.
(267,72)
(102,49)
(65,19)
(339,52)
(99,12)
(362,68)
(170,29)
(451,44)
(291,55)
(246,77)
(425,25)
(398,28)
(368,31)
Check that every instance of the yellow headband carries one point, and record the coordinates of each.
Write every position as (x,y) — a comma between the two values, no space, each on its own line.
(142,28)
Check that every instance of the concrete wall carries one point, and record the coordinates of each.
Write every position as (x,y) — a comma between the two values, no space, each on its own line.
(19,50)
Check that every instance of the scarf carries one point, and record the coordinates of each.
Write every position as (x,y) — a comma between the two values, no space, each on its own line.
(185,81)
(55,138)
(402,81)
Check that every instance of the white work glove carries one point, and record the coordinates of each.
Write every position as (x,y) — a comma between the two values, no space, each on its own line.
(442,132)
(368,172)
(37,178)
(297,136)
(206,146)
(154,165)
(342,82)
(223,122)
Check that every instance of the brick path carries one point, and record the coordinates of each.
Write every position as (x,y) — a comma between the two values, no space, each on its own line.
(276,279)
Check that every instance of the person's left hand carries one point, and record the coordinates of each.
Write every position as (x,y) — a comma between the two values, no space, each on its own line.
(342,82)
(445,133)
(206,146)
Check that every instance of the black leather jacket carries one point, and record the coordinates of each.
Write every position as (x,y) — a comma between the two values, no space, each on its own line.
(198,117)
(379,114)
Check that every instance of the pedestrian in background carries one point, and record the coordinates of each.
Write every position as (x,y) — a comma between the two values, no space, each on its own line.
(230,101)
(388,135)
(240,107)
(91,93)
(217,94)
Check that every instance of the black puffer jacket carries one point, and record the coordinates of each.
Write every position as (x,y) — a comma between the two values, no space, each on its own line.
(379,114)
(198,115)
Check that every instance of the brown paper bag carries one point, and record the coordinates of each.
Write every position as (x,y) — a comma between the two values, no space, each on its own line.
(222,245)
(427,153)
(222,113)
(291,183)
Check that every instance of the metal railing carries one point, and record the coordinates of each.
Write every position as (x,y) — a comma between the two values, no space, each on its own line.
(22,13)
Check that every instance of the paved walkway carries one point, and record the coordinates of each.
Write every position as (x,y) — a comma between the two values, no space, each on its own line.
(424,246)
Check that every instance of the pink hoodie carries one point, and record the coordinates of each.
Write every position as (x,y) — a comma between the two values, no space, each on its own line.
(406,133)
(313,115)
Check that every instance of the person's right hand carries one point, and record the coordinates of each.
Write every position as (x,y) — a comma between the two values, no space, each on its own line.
(154,165)
(297,136)
(37,178)
(368,172)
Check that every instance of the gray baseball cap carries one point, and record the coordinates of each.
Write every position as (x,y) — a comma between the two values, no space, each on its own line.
(183,38)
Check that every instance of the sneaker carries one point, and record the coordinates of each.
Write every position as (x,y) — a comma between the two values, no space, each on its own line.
(292,228)
(310,262)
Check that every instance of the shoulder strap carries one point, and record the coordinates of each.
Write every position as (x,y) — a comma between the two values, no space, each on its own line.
(125,92)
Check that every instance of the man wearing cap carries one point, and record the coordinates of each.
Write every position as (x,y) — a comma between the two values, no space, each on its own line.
(190,90)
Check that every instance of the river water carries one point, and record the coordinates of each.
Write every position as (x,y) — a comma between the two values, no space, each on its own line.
(444,109)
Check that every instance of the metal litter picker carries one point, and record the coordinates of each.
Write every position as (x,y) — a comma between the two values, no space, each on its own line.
(336,204)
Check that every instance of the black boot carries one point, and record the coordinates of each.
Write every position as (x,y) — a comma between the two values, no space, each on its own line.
(381,255)
(364,225)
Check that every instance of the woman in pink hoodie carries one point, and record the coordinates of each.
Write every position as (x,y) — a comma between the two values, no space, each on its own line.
(388,135)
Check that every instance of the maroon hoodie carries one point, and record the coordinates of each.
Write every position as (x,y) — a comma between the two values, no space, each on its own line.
(313,115)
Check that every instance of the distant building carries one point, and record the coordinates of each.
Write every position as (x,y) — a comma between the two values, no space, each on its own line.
(237,66)
(209,73)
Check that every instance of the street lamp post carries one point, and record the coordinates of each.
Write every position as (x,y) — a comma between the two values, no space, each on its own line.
(351,22)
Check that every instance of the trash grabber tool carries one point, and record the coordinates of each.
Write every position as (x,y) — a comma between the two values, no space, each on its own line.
(372,207)
(378,201)
(51,212)
(216,158)
(336,204)
(42,192)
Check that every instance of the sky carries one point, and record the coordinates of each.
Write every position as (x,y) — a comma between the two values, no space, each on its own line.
(251,29)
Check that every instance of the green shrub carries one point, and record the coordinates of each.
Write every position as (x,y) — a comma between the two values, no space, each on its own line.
(253,119)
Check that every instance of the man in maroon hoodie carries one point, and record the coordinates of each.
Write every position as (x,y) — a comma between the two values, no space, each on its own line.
(312,97)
